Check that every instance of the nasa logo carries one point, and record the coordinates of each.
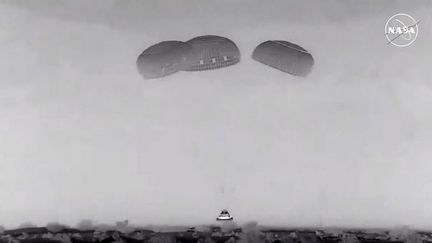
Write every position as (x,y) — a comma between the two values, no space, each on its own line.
(401,30)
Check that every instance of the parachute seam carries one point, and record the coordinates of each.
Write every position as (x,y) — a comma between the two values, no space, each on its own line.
(291,47)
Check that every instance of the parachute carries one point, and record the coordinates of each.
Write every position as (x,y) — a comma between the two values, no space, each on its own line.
(224,215)
(284,56)
(212,52)
(163,59)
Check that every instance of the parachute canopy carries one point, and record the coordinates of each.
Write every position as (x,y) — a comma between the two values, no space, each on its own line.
(211,52)
(224,215)
(163,59)
(284,56)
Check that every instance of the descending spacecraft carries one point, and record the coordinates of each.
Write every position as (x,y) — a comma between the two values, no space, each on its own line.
(224,216)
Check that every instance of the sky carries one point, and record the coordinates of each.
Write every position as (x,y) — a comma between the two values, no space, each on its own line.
(84,136)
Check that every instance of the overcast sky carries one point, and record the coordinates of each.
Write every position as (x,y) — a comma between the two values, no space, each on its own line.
(83,136)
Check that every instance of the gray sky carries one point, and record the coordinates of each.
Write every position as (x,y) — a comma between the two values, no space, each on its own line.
(83,136)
